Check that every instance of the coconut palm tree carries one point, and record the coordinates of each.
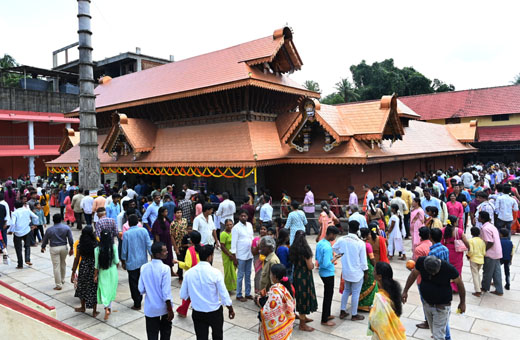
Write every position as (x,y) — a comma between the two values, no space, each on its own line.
(347,90)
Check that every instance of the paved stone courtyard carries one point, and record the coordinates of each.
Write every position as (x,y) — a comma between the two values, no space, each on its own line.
(488,317)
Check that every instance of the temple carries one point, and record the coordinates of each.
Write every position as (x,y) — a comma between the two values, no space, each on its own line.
(233,119)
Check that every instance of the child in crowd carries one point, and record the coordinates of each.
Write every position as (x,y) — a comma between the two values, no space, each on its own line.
(475,255)
(39,230)
(257,261)
(395,232)
(507,254)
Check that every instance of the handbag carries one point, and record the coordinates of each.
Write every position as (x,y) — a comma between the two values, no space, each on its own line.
(460,247)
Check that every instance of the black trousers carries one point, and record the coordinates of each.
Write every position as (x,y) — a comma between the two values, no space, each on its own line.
(407,224)
(156,325)
(133,282)
(18,247)
(506,264)
(311,223)
(62,211)
(202,321)
(181,257)
(79,220)
(88,219)
(328,283)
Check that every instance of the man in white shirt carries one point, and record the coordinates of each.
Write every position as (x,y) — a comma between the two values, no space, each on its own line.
(4,225)
(241,240)
(155,284)
(205,226)
(86,204)
(352,252)
(266,212)
(226,210)
(352,196)
(189,192)
(504,207)
(204,286)
(356,216)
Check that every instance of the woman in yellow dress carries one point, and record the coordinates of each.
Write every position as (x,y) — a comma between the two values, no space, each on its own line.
(383,321)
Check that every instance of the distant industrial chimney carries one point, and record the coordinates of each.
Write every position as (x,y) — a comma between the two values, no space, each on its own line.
(138,50)
(171,58)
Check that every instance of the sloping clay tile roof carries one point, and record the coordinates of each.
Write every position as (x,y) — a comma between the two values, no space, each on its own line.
(464,132)
(140,133)
(215,70)
(420,140)
(32,116)
(467,103)
(258,144)
(507,133)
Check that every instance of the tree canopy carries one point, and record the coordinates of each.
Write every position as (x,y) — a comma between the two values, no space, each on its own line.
(516,81)
(311,85)
(9,79)
(383,78)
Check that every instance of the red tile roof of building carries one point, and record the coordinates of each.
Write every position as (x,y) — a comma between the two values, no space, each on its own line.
(23,150)
(215,71)
(505,133)
(32,116)
(464,132)
(466,103)
(258,144)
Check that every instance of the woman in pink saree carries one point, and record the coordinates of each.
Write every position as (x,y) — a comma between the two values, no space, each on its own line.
(416,221)
(456,209)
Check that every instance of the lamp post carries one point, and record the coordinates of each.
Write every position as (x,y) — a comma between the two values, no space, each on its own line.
(89,165)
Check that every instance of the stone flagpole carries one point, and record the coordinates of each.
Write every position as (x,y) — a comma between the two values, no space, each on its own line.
(89,166)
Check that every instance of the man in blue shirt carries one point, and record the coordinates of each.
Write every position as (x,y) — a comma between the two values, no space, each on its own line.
(151,212)
(155,282)
(169,205)
(61,198)
(295,221)
(114,208)
(21,220)
(429,201)
(325,258)
(136,246)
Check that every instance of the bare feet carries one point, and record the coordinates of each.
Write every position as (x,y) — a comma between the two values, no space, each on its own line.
(358,317)
(307,320)
(343,315)
(57,288)
(79,310)
(331,317)
(497,293)
(107,313)
(305,328)
(477,294)
(95,314)
(329,323)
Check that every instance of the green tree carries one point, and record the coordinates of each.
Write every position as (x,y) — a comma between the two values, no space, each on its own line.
(516,81)
(347,91)
(9,79)
(384,78)
(333,98)
(311,85)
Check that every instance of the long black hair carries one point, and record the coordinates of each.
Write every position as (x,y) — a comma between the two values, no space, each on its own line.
(325,207)
(299,248)
(87,242)
(195,240)
(283,238)
(106,249)
(279,271)
(43,198)
(374,230)
(448,231)
(390,285)
(162,218)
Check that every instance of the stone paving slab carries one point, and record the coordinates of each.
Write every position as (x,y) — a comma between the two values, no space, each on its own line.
(489,317)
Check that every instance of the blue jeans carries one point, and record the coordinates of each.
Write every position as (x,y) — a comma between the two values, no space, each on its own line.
(353,288)
(448,334)
(4,236)
(244,269)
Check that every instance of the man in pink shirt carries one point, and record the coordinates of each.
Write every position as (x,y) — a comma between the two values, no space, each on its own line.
(423,248)
(352,197)
(492,269)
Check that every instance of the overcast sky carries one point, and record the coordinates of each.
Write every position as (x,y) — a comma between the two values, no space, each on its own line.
(470,44)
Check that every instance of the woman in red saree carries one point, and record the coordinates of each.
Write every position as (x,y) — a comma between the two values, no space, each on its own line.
(277,314)
(190,260)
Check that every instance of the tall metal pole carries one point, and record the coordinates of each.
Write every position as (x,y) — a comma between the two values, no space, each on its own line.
(89,166)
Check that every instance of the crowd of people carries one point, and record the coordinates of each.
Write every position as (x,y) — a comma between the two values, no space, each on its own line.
(180,230)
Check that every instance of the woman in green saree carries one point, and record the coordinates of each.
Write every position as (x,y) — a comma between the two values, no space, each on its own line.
(369,288)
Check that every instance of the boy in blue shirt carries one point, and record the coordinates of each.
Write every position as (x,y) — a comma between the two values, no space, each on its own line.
(326,259)
(507,253)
